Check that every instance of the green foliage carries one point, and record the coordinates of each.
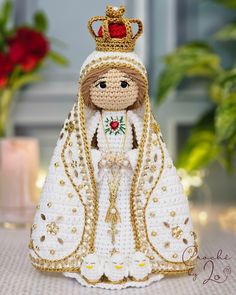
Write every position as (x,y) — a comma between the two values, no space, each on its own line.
(193,59)
(227,3)
(223,85)
(214,135)
(24,80)
(40,22)
(58,58)
(199,151)
(225,121)
(227,33)
(5,13)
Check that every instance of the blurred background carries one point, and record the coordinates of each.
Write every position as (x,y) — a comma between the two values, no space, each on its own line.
(188,47)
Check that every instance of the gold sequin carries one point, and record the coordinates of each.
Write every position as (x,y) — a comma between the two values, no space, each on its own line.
(167,244)
(166,224)
(175,255)
(73,230)
(151,179)
(186,220)
(62,182)
(80,186)
(185,241)
(52,251)
(69,195)
(190,250)
(76,173)
(193,234)
(74,210)
(164,188)
(49,204)
(56,164)
(153,168)
(155,200)
(177,232)
(43,217)
(172,213)
(42,239)
(70,143)
(34,226)
(60,241)
(153,233)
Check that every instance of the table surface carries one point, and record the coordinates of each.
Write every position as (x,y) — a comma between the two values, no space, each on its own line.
(17,276)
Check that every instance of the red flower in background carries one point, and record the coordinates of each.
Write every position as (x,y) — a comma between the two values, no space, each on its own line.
(27,48)
(6,67)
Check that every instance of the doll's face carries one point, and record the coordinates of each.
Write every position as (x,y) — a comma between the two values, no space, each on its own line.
(114,90)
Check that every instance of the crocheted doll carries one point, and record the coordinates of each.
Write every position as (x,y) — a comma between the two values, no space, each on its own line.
(112,212)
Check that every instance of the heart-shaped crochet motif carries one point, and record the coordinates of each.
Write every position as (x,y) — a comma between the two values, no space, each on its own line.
(114,125)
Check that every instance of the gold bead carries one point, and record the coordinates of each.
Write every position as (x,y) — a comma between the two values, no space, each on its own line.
(153,233)
(74,210)
(152,214)
(56,164)
(152,257)
(62,182)
(49,204)
(164,188)
(175,255)
(37,207)
(52,251)
(70,143)
(155,200)
(155,142)
(172,213)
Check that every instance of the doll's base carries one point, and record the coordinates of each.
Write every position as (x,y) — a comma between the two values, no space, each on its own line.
(151,279)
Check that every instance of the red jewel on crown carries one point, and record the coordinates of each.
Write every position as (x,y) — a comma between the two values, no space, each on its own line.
(115,30)
(114,125)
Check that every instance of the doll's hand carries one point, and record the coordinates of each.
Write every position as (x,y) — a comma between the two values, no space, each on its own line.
(114,159)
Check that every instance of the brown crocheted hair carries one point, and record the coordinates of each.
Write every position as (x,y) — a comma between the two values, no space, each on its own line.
(92,76)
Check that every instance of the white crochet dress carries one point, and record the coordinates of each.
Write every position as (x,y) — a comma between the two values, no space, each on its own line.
(114,140)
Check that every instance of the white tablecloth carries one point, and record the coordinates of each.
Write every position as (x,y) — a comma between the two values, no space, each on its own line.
(17,276)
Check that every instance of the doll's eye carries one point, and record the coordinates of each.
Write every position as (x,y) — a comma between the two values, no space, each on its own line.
(124,84)
(101,84)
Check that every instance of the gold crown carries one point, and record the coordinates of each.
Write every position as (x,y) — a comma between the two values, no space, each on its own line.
(105,41)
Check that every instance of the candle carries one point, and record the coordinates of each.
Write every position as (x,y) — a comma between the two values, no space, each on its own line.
(19,159)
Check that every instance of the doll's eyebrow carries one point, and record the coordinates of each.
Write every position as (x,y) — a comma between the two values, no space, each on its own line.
(128,77)
(99,79)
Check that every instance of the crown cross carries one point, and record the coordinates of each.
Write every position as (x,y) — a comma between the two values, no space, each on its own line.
(115,33)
